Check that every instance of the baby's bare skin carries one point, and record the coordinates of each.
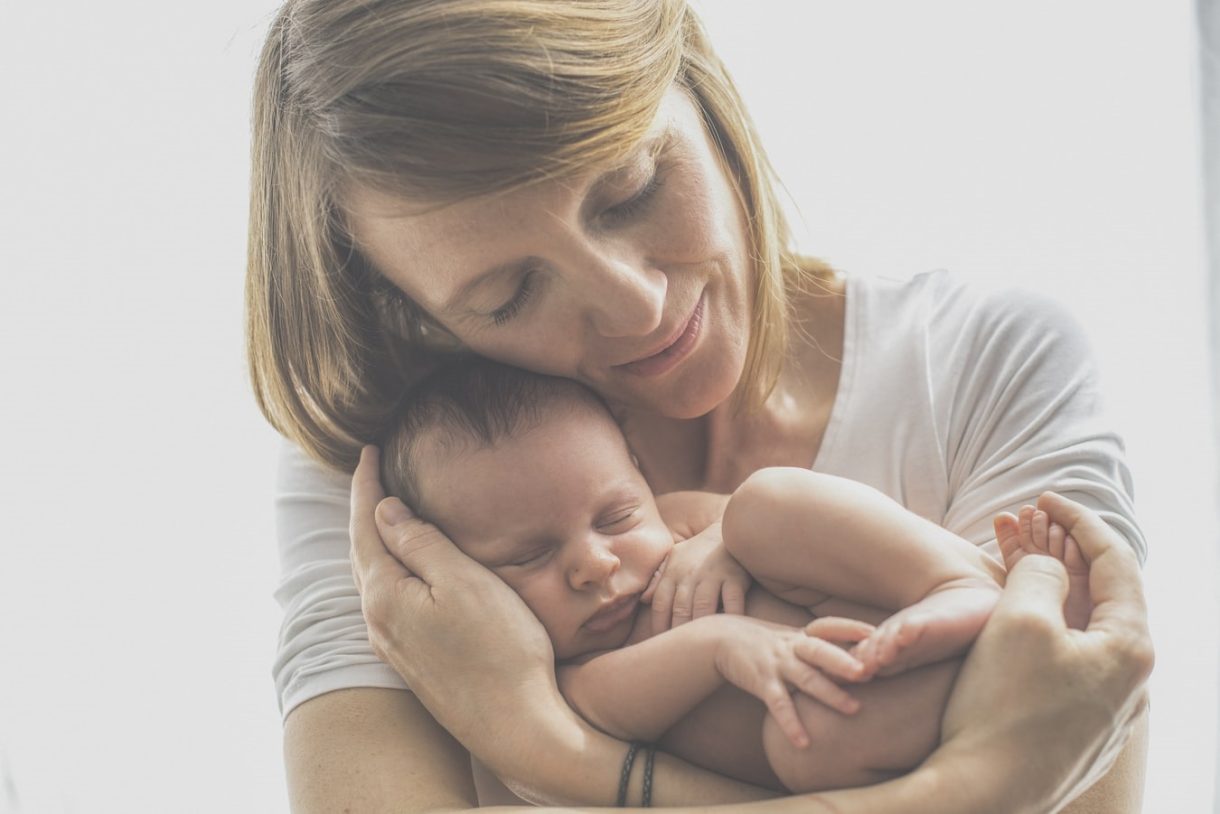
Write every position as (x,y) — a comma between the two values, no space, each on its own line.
(1032,532)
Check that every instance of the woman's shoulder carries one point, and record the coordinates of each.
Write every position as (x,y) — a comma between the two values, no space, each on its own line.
(952,311)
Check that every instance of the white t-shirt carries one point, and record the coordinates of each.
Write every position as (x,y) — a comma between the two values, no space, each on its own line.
(957,403)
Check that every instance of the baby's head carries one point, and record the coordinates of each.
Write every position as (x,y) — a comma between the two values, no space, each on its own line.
(531,476)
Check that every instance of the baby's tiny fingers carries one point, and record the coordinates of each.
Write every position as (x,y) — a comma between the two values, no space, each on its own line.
(733,596)
(662,606)
(839,629)
(706,600)
(655,581)
(779,704)
(683,596)
(826,656)
(820,688)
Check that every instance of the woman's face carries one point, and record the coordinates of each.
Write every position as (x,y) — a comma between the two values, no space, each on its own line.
(634,279)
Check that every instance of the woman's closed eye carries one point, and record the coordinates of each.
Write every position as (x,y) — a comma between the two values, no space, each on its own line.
(525,290)
(638,202)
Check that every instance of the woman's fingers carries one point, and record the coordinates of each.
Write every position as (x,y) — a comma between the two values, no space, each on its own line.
(1120,612)
(420,546)
(1036,587)
(368,552)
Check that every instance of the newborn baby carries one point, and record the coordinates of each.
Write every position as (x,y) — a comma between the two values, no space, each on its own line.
(831,584)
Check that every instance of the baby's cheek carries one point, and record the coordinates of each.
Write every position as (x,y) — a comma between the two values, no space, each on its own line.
(557,623)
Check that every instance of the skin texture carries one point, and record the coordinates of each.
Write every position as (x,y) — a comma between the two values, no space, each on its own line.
(570,538)
(367,750)
(611,275)
(608,268)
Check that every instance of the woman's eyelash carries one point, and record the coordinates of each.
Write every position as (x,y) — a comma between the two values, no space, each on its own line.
(513,307)
(639,201)
(622,211)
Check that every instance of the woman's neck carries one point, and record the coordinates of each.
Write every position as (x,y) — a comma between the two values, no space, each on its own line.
(720,450)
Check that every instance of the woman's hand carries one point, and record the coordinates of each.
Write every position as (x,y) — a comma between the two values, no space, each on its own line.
(462,640)
(1037,706)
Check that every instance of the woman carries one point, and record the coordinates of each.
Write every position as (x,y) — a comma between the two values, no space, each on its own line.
(574,188)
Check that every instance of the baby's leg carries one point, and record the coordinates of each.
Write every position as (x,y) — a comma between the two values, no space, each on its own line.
(1033,533)
(798,531)
(898,725)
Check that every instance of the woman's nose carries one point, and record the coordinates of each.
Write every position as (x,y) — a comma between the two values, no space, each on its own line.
(625,294)
(591,562)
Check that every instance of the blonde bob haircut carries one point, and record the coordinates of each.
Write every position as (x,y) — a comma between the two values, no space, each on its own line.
(436,101)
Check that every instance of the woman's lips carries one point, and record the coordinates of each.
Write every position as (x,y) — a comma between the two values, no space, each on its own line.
(675,352)
(613,614)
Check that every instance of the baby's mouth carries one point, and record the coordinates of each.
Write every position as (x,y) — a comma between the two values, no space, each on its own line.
(613,613)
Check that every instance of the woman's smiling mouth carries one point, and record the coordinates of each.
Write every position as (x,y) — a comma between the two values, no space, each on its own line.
(673,352)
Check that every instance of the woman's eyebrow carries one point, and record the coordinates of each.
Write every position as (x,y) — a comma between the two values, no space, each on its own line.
(649,149)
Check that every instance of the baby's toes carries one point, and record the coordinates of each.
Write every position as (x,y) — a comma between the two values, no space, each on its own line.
(1040,526)
(1026,518)
(1008,536)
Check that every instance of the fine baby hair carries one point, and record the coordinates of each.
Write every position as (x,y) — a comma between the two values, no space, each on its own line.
(471,403)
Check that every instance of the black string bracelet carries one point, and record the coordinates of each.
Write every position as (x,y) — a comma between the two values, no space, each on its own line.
(625,777)
(652,753)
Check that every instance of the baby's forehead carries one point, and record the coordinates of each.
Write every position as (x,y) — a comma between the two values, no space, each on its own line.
(442,446)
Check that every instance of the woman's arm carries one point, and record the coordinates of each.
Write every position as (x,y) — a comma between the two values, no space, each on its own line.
(507,709)
(481,664)
(369,750)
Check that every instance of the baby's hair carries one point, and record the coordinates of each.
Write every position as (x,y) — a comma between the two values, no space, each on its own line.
(471,401)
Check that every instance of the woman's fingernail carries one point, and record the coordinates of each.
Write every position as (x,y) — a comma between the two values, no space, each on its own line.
(392,512)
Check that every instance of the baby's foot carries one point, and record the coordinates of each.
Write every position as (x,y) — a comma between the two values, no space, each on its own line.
(1034,533)
(939,626)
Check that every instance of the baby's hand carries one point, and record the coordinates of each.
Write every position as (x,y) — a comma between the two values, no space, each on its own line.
(765,660)
(695,579)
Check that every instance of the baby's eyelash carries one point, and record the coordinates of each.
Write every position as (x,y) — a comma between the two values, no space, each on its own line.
(510,309)
(529,559)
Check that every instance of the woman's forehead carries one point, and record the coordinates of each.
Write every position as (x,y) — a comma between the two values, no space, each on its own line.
(399,236)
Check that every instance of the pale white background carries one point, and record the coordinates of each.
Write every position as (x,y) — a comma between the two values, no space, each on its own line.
(1047,143)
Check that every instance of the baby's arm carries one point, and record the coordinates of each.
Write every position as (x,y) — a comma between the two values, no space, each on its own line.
(640,691)
(805,535)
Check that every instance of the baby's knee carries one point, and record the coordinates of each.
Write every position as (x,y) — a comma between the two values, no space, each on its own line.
(749,512)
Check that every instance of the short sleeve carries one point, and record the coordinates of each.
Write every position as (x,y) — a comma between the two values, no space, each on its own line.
(1025,414)
(323,642)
